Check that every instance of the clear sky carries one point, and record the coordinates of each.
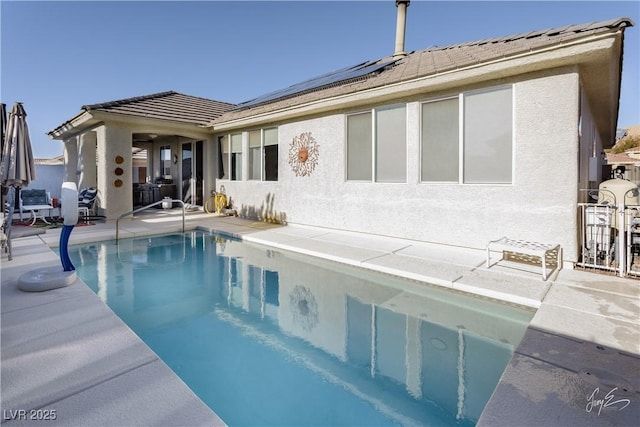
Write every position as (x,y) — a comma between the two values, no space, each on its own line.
(57,56)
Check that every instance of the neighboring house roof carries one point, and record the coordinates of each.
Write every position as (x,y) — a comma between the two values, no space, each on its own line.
(168,105)
(58,160)
(621,159)
(417,64)
(630,155)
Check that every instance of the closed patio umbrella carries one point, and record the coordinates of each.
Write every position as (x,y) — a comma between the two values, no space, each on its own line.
(6,226)
(3,124)
(17,167)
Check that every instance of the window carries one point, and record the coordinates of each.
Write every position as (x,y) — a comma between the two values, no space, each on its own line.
(378,151)
(255,154)
(271,154)
(440,141)
(359,147)
(488,137)
(224,157)
(391,144)
(236,157)
(262,155)
(165,160)
(472,144)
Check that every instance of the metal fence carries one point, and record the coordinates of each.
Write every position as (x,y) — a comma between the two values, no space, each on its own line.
(610,233)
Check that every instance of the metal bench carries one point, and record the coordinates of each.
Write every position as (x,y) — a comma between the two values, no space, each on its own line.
(539,250)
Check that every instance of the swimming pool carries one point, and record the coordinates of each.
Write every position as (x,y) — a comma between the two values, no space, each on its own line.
(273,338)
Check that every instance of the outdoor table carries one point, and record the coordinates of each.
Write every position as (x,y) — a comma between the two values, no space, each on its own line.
(37,210)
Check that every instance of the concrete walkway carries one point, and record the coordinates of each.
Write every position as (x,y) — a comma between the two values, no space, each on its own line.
(64,350)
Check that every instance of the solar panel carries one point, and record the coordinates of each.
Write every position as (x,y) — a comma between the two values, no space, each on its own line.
(318,82)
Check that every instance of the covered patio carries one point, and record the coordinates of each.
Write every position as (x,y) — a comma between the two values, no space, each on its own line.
(135,149)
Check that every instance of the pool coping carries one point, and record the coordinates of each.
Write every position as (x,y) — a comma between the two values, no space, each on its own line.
(608,304)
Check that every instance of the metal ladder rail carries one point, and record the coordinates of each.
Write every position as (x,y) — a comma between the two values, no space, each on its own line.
(145,208)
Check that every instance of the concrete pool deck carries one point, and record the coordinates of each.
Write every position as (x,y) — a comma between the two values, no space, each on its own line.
(65,354)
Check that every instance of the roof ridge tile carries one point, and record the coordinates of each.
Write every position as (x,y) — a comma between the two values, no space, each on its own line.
(123,101)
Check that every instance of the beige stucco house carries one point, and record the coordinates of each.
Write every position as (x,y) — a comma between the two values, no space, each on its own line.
(457,145)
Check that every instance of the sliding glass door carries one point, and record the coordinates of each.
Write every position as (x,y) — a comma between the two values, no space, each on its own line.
(191,155)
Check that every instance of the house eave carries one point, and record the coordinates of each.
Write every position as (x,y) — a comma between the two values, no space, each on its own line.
(73,126)
(88,120)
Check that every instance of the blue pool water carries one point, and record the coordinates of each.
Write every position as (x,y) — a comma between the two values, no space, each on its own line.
(270,338)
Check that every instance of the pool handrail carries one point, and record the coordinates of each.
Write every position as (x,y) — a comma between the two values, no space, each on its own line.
(147,207)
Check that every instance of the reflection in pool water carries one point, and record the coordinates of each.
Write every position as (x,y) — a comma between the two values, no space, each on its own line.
(275,338)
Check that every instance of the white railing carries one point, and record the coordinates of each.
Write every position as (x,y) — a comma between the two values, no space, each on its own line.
(598,236)
(145,208)
(610,233)
(632,239)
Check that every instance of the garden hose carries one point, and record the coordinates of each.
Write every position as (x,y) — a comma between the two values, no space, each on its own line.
(220,202)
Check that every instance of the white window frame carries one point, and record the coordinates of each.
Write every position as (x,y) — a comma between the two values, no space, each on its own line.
(421,149)
(250,149)
(461,135)
(225,147)
(232,152)
(165,161)
(263,158)
(374,144)
(246,175)
(371,115)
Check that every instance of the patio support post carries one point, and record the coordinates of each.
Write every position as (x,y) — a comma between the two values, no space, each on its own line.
(71,159)
(87,161)
(113,148)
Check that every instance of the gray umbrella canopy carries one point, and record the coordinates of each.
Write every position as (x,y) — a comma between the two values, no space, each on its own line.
(17,167)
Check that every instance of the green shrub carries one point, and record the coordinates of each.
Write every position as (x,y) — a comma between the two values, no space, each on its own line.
(626,143)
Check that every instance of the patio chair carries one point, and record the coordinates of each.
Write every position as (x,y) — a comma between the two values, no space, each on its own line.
(7,233)
(36,202)
(86,202)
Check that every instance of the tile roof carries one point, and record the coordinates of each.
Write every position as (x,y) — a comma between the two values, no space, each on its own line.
(168,105)
(432,61)
(621,159)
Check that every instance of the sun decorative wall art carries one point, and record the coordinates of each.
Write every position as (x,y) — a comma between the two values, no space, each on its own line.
(303,154)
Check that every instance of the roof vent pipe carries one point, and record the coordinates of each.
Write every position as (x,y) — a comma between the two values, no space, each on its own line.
(401,24)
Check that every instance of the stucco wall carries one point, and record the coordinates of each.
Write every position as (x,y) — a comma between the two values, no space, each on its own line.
(113,141)
(540,204)
(590,145)
(50,178)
